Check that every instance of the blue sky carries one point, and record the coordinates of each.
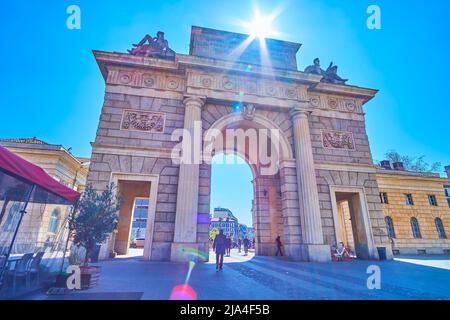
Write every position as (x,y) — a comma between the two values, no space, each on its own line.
(52,88)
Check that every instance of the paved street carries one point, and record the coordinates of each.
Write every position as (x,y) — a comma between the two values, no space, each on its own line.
(275,278)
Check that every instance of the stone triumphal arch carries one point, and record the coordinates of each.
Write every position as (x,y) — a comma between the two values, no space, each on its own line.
(323,187)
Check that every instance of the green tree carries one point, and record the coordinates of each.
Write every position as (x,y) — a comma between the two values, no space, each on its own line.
(96,218)
(411,163)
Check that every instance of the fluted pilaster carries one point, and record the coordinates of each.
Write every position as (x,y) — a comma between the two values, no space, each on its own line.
(306,179)
(188,180)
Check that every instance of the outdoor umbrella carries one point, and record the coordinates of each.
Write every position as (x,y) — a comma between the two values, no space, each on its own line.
(25,182)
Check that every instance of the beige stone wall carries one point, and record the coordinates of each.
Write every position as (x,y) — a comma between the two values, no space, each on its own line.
(365,180)
(145,85)
(100,173)
(109,129)
(120,159)
(359,155)
(396,186)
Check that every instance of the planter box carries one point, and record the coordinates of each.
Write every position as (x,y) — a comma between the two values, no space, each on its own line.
(90,276)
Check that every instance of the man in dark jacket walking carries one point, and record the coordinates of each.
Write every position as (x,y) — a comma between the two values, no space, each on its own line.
(219,246)
(246,246)
(279,245)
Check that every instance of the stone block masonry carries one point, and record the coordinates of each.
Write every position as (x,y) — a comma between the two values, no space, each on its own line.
(323,145)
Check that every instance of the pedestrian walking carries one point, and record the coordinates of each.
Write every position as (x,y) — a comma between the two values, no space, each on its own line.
(228,246)
(279,244)
(219,247)
(239,245)
(246,246)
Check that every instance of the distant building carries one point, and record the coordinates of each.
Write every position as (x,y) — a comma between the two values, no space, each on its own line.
(242,231)
(250,233)
(224,219)
(245,231)
(43,223)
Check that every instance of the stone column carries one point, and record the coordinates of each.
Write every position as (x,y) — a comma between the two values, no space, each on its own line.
(185,236)
(312,248)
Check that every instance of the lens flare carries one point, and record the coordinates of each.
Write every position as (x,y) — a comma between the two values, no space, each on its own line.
(236,107)
(192,254)
(183,292)
(191,267)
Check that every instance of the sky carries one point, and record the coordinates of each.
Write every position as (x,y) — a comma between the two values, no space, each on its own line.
(51,87)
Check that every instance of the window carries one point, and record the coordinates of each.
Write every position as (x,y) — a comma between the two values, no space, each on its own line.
(13,217)
(432,200)
(140,214)
(415,228)
(384,197)
(447,194)
(390,227)
(409,199)
(54,221)
(440,228)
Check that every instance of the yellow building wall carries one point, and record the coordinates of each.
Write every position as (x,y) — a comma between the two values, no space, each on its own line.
(396,186)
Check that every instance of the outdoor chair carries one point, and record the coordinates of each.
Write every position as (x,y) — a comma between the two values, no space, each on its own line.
(34,270)
(21,270)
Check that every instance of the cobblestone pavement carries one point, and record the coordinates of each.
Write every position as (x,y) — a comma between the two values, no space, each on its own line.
(276,278)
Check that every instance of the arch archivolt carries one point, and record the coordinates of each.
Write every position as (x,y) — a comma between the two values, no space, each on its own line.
(270,217)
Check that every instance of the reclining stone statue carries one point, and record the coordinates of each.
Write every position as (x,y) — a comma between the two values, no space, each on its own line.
(156,47)
(328,76)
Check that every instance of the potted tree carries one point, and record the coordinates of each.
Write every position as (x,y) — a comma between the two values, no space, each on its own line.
(95,220)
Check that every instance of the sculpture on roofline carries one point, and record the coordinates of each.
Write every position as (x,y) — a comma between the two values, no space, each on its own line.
(157,47)
(328,76)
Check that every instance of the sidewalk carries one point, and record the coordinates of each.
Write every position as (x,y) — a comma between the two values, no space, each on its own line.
(271,278)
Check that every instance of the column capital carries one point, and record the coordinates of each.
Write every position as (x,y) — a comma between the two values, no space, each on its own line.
(195,101)
(297,112)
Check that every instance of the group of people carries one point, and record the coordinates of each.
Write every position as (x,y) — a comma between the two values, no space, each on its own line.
(342,253)
(222,247)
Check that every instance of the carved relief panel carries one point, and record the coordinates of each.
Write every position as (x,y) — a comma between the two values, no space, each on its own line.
(153,122)
(338,140)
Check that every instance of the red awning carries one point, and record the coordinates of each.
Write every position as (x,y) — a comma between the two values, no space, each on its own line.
(12,163)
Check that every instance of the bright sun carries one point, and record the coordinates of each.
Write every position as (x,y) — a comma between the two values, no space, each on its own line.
(260,27)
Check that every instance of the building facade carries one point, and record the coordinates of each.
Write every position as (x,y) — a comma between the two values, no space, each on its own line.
(417,212)
(447,185)
(42,225)
(321,153)
(224,219)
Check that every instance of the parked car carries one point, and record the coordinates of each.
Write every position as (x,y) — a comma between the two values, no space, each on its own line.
(140,242)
